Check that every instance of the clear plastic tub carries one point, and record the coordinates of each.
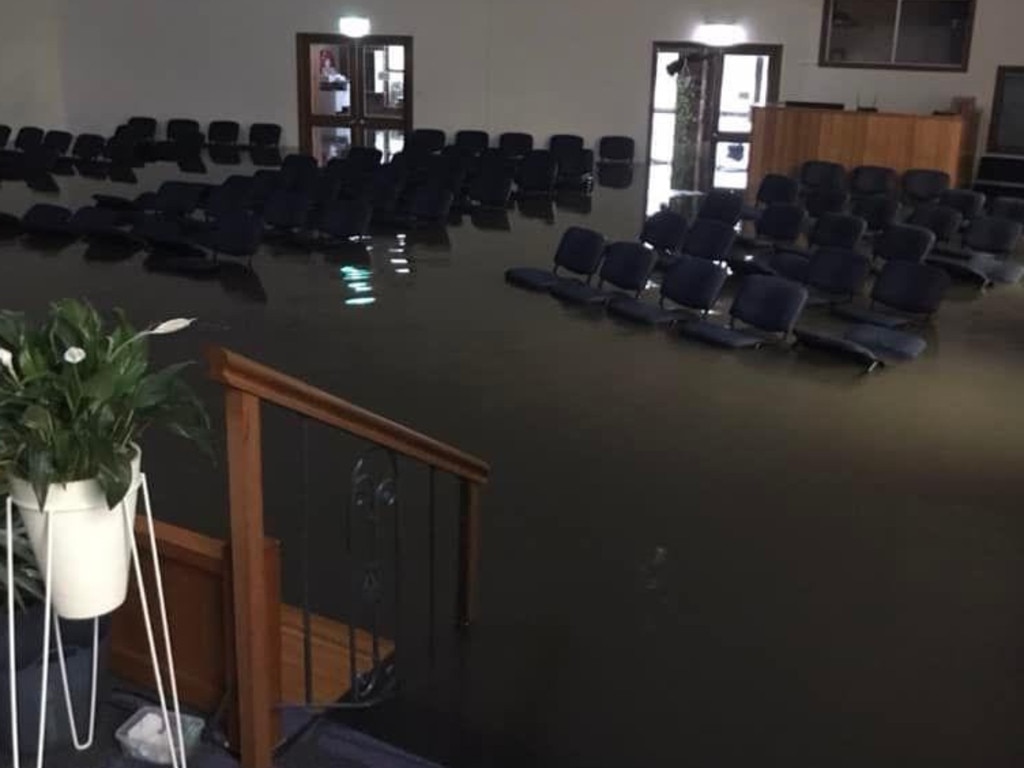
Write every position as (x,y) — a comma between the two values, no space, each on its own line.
(143,736)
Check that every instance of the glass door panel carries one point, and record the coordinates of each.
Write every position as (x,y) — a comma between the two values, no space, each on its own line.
(330,143)
(331,76)
(732,159)
(744,85)
(384,81)
(389,142)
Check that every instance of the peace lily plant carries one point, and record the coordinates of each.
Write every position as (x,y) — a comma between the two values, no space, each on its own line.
(75,398)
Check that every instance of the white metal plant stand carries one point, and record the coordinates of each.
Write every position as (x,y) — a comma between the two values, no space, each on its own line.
(177,753)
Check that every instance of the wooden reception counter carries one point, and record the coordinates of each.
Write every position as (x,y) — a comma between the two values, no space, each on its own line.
(786,137)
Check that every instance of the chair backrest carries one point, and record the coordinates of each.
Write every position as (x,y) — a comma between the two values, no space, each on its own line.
(88,146)
(574,165)
(821,174)
(90,220)
(238,233)
(776,189)
(665,230)
(924,186)
(867,180)
(264,135)
(695,283)
(837,230)
(911,287)
(180,128)
(363,159)
(432,202)
(904,242)
(967,201)
(5,134)
(993,235)
(29,137)
(223,132)
(144,128)
(1011,208)
(565,144)
(492,187)
(425,141)
(287,208)
(44,214)
(627,266)
(236,192)
(537,171)
(579,251)
(838,271)
(298,171)
(178,197)
(709,239)
(770,303)
(781,222)
(722,206)
(473,142)
(825,200)
(942,220)
(879,211)
(515,145)
(616,149)
(345,218)
(58,141)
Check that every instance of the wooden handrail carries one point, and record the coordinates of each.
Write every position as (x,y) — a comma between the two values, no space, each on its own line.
(241,373)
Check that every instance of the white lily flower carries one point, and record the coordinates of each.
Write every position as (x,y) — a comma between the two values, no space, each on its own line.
(7,361)
(172,326)
(74,355)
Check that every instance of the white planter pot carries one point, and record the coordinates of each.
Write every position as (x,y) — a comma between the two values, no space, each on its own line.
(91,543)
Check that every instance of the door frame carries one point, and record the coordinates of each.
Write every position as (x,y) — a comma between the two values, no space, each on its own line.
(708,129)
(355,120)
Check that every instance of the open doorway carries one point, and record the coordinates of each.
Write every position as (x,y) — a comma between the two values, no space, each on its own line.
(700,115)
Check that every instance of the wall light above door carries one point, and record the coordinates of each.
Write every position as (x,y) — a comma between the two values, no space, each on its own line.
(354,26)
(720,35)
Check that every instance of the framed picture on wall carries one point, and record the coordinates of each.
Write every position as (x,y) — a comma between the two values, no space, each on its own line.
(1006,135)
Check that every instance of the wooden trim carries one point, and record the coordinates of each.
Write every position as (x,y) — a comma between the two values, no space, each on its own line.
(963,66)
(469,552)
(243,375)
(253,648)
(997,114)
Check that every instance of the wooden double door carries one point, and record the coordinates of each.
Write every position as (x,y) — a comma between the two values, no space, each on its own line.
(353,92)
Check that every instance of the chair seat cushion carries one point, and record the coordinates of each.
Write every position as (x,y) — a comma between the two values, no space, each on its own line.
(887,342)
(531,278)
(790,263)
(1006,272)
(641,311)
(719,335)
(864,315)
(752,264)
(188,265)
(983,267)
(116,202)
(578,293)
(838,345)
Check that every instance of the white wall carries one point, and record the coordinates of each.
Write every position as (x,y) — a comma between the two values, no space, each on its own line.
(539,65)
(30,64)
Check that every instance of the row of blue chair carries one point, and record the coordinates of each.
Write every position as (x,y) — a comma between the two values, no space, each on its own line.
(516,145)
(905,292)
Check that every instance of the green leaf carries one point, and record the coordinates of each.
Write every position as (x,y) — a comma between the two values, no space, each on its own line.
(115,476)
(38,419)
(102,386)
(40,473)
(154,389)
